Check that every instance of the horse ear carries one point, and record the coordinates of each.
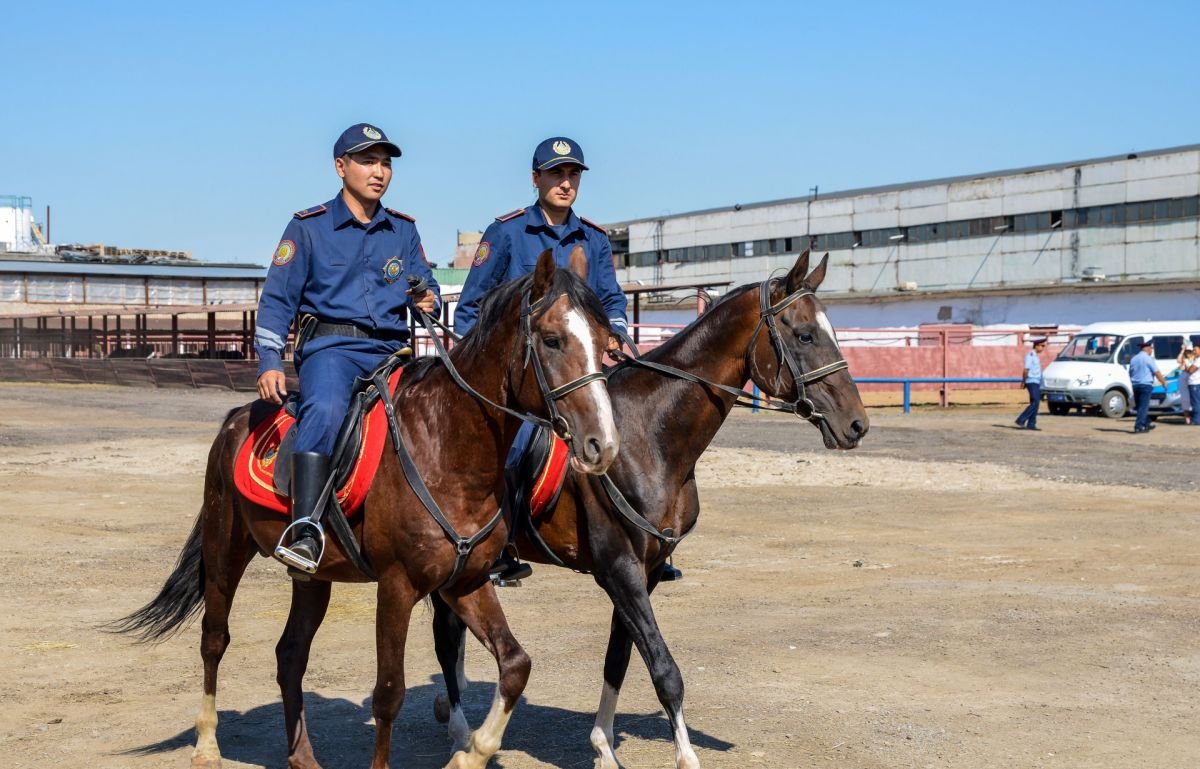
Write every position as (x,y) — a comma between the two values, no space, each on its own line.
(795,276)
(577,262)
(543,275)
(815,277)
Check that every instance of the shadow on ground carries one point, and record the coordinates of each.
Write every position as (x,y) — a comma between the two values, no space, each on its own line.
(343,734)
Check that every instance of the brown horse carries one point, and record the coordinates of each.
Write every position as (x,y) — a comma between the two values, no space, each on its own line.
(459,442)
(669,407)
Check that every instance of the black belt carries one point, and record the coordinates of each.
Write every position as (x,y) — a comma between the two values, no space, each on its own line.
(353,330)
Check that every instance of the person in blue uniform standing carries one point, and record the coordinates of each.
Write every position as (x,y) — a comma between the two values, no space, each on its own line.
(343,267)
(1031,379)
(1143,370)
(510,248)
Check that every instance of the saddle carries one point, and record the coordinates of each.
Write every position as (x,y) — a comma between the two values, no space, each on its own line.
(262,469)
(537,478)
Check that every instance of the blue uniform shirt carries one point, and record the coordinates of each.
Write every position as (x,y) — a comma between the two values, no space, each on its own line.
(510,249)
(1033,364)
(1142,368)
(330,265)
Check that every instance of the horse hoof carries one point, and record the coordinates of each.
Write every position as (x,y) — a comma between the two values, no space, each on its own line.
(441,708)
(203,762)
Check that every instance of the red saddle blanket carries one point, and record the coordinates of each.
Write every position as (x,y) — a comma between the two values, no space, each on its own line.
(254,468)
(549,481)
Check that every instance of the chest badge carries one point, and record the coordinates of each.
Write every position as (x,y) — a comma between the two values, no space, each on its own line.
(391,269)
(482,254)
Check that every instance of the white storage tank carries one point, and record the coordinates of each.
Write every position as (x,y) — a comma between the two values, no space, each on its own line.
(16,223)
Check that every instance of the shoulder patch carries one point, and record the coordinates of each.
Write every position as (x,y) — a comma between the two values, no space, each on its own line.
(314,211)
(510,215)
(593,225)
(399,215)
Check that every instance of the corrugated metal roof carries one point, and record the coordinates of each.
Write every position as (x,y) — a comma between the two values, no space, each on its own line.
(853,193)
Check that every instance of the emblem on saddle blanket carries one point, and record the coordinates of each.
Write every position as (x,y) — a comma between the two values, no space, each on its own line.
(254,469)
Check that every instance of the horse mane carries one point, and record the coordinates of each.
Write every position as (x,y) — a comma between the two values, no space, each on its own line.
(498,300)
(705,325)
(496,304)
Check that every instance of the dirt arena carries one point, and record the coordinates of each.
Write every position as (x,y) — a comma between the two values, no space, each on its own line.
(955,593)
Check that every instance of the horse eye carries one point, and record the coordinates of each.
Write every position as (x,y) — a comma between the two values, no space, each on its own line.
(552,342)
(806,338)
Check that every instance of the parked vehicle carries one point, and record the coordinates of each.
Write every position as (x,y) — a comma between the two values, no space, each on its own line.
(1092,371)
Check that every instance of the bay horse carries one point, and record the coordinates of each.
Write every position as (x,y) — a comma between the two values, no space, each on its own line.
(667,417)
(459,443)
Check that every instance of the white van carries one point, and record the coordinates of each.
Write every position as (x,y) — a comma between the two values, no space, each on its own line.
(1092,370)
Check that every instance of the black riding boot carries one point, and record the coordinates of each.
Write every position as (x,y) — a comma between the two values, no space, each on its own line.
(310,471)
(508,570)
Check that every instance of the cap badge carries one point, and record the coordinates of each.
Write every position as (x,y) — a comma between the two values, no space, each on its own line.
(371,133)
(481,255)
(284,254)
(560,147)
(391,270)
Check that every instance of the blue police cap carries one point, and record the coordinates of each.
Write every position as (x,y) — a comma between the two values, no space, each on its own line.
(359,137)
(556,151)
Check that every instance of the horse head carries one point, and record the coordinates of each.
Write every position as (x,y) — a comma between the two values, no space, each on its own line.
(798,358)
(566,333)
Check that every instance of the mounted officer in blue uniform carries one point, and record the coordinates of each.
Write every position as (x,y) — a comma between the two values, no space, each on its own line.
(343,267)
(510,248)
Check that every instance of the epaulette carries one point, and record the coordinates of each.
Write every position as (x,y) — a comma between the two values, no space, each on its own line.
(593,225)
(314,211)
(510,215)
(399,215)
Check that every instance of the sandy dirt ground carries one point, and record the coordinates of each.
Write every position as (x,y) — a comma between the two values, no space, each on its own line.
(955,593)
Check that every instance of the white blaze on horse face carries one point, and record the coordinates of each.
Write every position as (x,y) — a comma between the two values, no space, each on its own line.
(827,327)
(577,326)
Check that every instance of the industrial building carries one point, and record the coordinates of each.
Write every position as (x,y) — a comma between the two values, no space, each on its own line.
(1070,243)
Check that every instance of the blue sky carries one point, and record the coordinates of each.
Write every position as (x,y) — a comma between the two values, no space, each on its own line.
(203,126)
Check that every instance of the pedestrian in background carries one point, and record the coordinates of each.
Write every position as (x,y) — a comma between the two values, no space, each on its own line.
(1189,382)
(1031,377)
(1143,370)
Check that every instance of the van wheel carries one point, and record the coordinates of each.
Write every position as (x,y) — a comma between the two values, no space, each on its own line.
(1114,405)
(1059,409)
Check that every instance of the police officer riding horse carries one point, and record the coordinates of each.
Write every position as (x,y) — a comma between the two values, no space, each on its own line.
(344,267)
(510,248)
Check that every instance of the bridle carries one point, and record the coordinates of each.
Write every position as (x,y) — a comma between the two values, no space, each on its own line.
(557,422)
(463,546)
(550,396)
(803,406)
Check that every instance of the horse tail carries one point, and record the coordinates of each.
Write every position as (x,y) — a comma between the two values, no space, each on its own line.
(177,602)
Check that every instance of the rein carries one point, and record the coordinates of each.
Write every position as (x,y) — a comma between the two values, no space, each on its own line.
(463,546)
(802,407)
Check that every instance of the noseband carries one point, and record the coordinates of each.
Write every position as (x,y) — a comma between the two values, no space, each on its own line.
(803,406)
(463,546)
(551,396)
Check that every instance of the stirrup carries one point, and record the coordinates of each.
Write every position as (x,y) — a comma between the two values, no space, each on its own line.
(286,555)
(508,572)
